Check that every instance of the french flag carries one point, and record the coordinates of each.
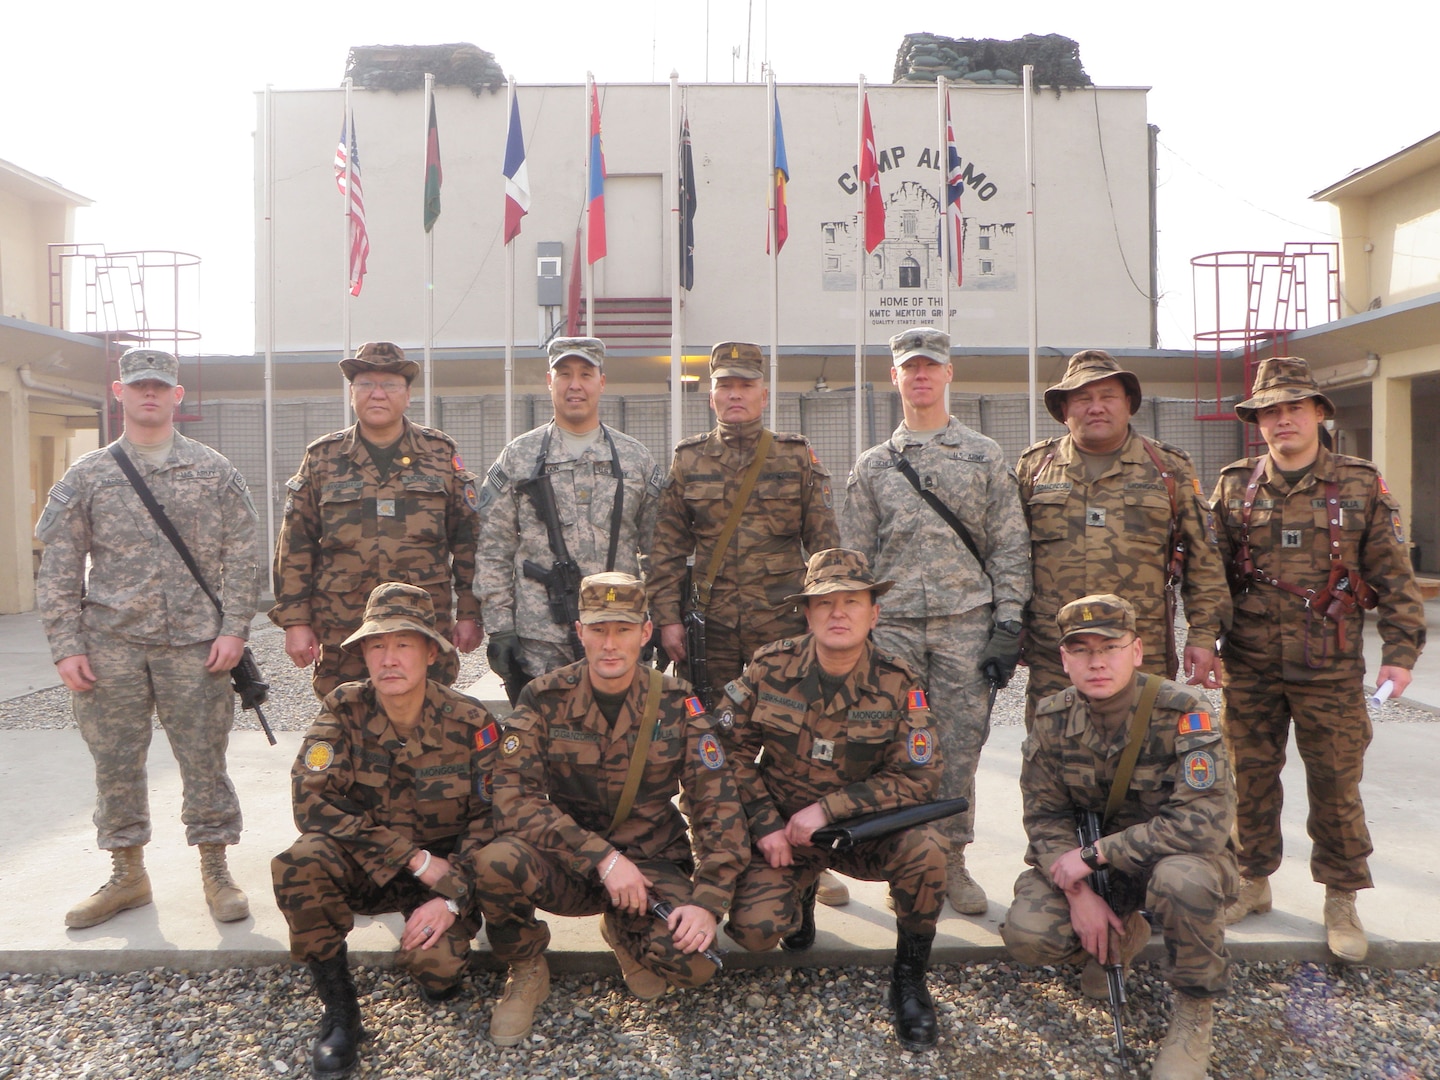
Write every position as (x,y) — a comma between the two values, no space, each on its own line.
(517,180)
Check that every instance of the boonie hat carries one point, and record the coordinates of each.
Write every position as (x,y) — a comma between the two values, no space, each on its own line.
(137,365)
(375,357)
(589,349)
(1280,379)
(920,341)
(394,606)
(839,570)
(1100,613)
(737,360)
(1084,368)
(612,597)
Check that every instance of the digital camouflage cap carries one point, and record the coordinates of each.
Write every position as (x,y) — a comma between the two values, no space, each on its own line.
(589,349)
(920,341)
(1086,367)
(839,570)
(394,606)
(138,365)
(1279,379)
(1100,613)
(737,360)
(376,357)
(612,597)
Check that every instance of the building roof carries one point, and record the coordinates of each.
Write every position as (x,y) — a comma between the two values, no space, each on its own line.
(1386,172)
(28,185)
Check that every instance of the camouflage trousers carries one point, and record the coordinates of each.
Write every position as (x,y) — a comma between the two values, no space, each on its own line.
(767,899)
(728,649)
(336,665)
(514,878)
(1332,730)
(196,709)
(1185,894)
(945,652)
(320,887)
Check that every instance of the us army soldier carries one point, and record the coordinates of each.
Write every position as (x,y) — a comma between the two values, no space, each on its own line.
(383,500)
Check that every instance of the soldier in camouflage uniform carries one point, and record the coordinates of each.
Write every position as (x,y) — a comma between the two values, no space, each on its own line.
(589,466)
(954,617)
(383,500)
(1101,501)
(845,730)
(136,635)
(1324,543)
(576,838)
(392,799)
(1167,842)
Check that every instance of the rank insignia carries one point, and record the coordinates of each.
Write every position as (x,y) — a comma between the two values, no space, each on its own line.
(917,700)
(694,706)
(1095,515)
(511,745)
(384,507)
(823,750)
(455,460)
(711,756)
(486,736)
(1199,770)
(1195,722)
(921,746)
(319,757)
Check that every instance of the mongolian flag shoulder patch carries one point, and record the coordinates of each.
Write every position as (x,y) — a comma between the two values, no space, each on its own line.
(694,706)
(1195,723)
(917,700)
(487,735)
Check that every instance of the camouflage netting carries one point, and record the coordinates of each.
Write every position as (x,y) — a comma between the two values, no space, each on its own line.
(403,67)
(924,57)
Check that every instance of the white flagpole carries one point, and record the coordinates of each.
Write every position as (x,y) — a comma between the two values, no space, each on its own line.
(589,266)
(942,88)
(349,240)
(429,96)
(774,225)
(510,294)
(677,311)
(1032,300)
(860,272)
(269,316)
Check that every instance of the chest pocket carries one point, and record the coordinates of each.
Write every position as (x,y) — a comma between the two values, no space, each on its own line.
(666,753)
(575,770)
(1048,519)
(1147,514)
(777,502)
(425,504)
(342,516)
(865,745)
(1152,783)
(704,500)
(433,786)
(783,730)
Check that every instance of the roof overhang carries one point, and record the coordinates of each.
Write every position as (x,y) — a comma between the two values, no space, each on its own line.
(1386,173)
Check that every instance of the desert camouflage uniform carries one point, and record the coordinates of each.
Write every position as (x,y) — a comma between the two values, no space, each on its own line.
(146,626)
(558,781)
(869,748)
(346,530)
(1268,677)
(1109,536)
(511,531)
(1167,845)
(365,801)
(789,508)
(938,617)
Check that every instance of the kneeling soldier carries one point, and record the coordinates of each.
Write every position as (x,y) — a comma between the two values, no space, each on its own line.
(1166,809)
(845,730)
(391,792)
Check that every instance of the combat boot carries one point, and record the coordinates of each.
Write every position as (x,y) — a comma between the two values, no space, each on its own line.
(1093,983)
(1343,932)
(1185,1053)
(227,902)
(1254,897)
(910,1002)
(526,987)
(831,891)
(333,1054)
(963,891)
(128,887)
(643,983)
(803,936)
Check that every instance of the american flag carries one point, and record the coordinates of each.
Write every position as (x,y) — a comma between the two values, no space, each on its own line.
(359,237)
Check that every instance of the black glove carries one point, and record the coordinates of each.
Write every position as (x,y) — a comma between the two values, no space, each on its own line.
(654,652)
(1001,654)
(503,653)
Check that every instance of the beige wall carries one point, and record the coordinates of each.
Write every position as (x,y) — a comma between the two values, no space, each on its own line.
(1390,242)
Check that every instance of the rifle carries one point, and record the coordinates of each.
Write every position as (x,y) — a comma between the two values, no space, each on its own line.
(254,691)
(562,580)
(1087,829)
(661,909)
(695,657)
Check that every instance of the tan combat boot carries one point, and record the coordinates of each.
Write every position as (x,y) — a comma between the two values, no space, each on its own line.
(1185,1053)
(643,983)
(1343,932)
(964,892)
(128,887)
(1093,983)
(831,891)
(227,902)
(1254,898)
(526,988)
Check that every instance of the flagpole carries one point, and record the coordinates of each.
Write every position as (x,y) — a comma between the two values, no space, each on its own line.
(677,314)
(774,225)
(589,266)
(429,96)
(270,316)
(860,273)
(1032,300)
(349,240)
(510,295)
(942,88)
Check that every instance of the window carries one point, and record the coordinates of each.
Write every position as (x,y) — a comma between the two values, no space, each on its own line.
(984,243)
(908,223)
(832,262)
(986,266)
(829,234)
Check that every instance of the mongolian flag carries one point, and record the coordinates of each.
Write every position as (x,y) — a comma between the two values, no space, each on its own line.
(870,179)
(782,177)
(595,238)
(434,177)
(517,180)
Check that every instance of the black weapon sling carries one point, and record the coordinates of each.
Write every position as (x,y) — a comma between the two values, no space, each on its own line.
(541,475)
(946,514)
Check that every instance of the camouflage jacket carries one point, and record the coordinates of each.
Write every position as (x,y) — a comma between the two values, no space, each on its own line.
(345,531)
(562,768)
(1181,796)
(512,532)
(907,541)
(789,509)
(1290,540)
(137,586)
(1110,535)
(356,781)
(871,747)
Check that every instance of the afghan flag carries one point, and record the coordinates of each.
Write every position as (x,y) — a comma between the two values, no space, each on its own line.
(870,178)
(434,177)
(687,206)
(595,218)
(517,180)
(782,177)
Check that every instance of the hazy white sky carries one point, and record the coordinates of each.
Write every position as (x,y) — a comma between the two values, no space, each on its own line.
(148,108)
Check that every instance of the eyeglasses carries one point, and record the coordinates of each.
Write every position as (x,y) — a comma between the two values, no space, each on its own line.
(1104,652)
(391,387)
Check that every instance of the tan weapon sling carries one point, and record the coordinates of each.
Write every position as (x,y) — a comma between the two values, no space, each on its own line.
(642,750)
(722,542)
(1139,722)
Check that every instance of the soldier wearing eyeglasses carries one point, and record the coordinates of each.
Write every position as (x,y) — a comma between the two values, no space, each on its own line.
(383,500)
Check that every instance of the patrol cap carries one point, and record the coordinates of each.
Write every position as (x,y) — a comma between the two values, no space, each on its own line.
(612,597)
(375,357)
(139,364)
(395,606)
(1280,379)
(1086,367)
(589,349)
(737,360)
(1100,613)
(839,570)
(920,341)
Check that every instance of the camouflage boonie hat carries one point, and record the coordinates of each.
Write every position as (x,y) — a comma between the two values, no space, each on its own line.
(1280,379)
(394,606)
(920,341)
(612,597)
(375,357)
(839,570)
(1100,613)
(589,349)
(1086,367)
(736,359)
(136,365)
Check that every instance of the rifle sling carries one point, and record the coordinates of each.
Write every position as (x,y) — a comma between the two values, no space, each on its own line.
(722,542)
(946,514)
(1139,722)
(558,547)
(642,749)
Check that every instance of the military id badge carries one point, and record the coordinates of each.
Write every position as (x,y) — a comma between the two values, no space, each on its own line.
(823,750)
(384,507)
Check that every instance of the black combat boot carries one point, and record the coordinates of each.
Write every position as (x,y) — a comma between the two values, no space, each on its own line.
(910,1001)
(803,936)
(333,1054)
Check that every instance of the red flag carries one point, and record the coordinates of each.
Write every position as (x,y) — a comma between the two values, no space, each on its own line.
(434,175)
(870,178)
(355,202)
(595,238)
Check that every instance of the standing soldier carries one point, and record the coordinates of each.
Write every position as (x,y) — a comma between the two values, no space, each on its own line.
(936,508)
(590,763)
(569,498)
(1112,511)
(383,500)
(1311,540)
(136,635)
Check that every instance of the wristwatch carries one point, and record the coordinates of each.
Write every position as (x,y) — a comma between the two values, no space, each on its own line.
(452,907)
(1090,856)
